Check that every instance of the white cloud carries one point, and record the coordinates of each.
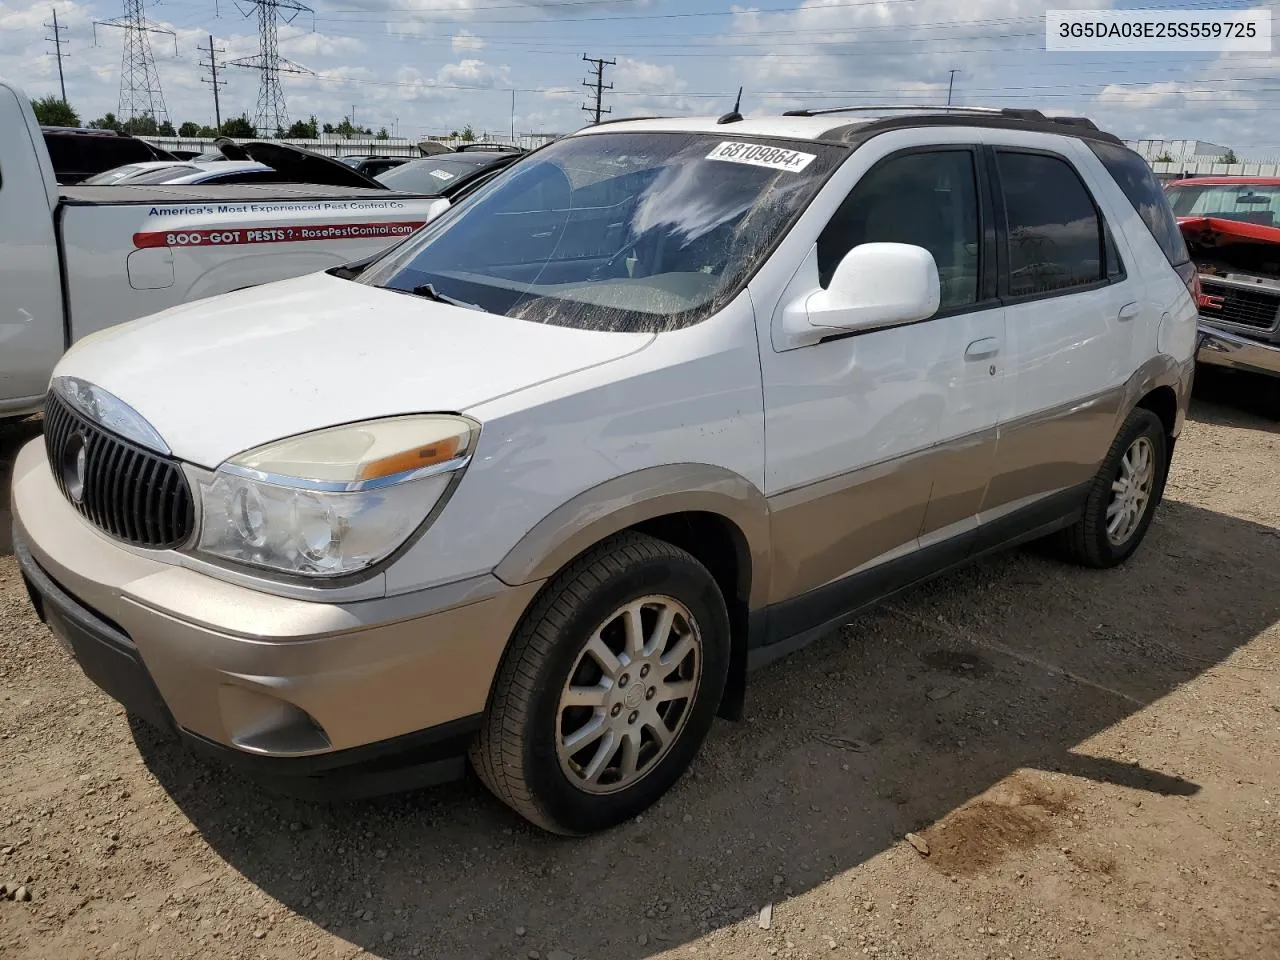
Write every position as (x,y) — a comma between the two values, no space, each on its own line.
(467,42)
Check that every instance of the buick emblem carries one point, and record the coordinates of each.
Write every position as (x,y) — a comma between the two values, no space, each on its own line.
(75,465)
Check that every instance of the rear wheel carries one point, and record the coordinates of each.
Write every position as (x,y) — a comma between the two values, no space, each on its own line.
(1124,495)
(608,688)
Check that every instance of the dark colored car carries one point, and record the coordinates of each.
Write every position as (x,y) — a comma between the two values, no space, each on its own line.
(448,175)
(79,153)
(372,166)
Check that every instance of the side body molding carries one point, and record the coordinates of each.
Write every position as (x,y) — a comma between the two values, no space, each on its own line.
(644,495)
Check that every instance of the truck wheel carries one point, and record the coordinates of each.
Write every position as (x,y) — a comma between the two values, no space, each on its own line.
(1123,497)
(608,688)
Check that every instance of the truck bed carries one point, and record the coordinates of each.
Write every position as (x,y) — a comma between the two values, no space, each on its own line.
(116,195)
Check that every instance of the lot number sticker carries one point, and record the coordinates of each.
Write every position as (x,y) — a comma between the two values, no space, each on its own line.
(442,174)
(760,155)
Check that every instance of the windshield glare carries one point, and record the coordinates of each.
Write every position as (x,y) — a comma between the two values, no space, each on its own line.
(619,231)
(1243,202)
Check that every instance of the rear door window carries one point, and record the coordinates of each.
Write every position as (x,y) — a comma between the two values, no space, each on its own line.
(1054,233)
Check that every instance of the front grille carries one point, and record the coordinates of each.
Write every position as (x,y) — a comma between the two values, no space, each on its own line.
(1258,309)
(133,494)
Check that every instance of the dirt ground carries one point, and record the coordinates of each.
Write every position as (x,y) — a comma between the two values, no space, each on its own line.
(1090,760)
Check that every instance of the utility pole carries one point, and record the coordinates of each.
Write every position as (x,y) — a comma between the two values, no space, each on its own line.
(57,42)
(513,116)
(213,51)
(950,85)
(599,85)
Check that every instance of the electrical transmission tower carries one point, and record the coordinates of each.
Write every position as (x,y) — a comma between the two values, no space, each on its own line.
(271,114)
(212,65)
(57,42)
(140,94)
(599,85)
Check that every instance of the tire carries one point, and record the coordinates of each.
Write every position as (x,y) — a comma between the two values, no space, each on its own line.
(1089,542)
(526,753)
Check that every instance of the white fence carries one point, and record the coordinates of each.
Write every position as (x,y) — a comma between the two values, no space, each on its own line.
(332,147)
(1211,168)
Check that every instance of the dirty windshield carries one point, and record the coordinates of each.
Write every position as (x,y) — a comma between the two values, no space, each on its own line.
(615,231)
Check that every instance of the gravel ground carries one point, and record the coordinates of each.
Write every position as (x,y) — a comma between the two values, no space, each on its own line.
(1089,760)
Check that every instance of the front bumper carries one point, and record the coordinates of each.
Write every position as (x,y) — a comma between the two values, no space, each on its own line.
(1221,348)
(313,698)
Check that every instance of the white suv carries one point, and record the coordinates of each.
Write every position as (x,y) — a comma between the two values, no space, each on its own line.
(663,401)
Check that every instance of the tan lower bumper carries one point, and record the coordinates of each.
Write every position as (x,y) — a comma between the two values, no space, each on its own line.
(270,675)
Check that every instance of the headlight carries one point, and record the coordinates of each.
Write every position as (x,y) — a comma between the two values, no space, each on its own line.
(335,501)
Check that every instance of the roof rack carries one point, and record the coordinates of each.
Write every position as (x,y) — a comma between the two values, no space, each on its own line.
(1008,113)
(881,108)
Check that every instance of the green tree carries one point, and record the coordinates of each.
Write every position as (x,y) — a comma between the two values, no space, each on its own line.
(52,112)
(1228,157)
(467,133)
(383,135)
(239,127)
(328,128)
(345,129)
(1163,158)
(453,135)
(141,126)
(303,130)
(107,121)
(206,131)
(166,130)
(189,129)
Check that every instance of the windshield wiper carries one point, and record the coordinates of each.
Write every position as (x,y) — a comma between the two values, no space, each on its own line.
(429,291)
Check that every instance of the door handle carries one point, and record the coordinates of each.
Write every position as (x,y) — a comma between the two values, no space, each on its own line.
(983,349)
(1128,312)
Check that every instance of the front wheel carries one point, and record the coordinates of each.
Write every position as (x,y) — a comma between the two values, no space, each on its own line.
(1124,495)
(608,688)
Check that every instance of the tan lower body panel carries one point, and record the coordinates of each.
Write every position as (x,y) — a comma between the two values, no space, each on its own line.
(826,530)
(1052,450)
(822,531)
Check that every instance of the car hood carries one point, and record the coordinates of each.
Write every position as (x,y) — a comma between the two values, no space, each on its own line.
(219,376)
(299,165)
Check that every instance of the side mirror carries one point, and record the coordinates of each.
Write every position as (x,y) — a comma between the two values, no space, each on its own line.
(875,285)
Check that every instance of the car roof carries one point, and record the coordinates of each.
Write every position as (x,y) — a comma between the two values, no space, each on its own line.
(854,125)
(790,128)
(219,168)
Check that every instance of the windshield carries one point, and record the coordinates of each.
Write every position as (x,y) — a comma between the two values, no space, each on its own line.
(620,231)
(430,174)
(1245,202)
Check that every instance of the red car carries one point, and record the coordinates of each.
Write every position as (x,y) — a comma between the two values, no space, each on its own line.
(1232,229)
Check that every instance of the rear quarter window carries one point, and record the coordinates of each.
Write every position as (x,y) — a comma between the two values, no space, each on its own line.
(1139,184)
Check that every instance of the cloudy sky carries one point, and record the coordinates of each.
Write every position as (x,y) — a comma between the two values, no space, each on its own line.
(429,66)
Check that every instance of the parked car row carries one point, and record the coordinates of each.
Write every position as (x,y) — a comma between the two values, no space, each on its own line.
(539,481)
(160,232)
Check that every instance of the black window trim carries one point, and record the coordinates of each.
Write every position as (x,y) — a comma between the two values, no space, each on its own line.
(1106,238)
(987,249)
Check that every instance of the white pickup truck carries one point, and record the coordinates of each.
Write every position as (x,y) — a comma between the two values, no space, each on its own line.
(74,260)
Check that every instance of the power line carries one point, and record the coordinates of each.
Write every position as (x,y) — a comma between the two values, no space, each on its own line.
(951,84)
(140,94)
(213,51)
(57,42)
(599,84)
(271,114)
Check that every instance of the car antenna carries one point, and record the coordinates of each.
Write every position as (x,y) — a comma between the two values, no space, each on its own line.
(733,116)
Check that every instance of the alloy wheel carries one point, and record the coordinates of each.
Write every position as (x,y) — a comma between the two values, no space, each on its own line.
(628,695)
